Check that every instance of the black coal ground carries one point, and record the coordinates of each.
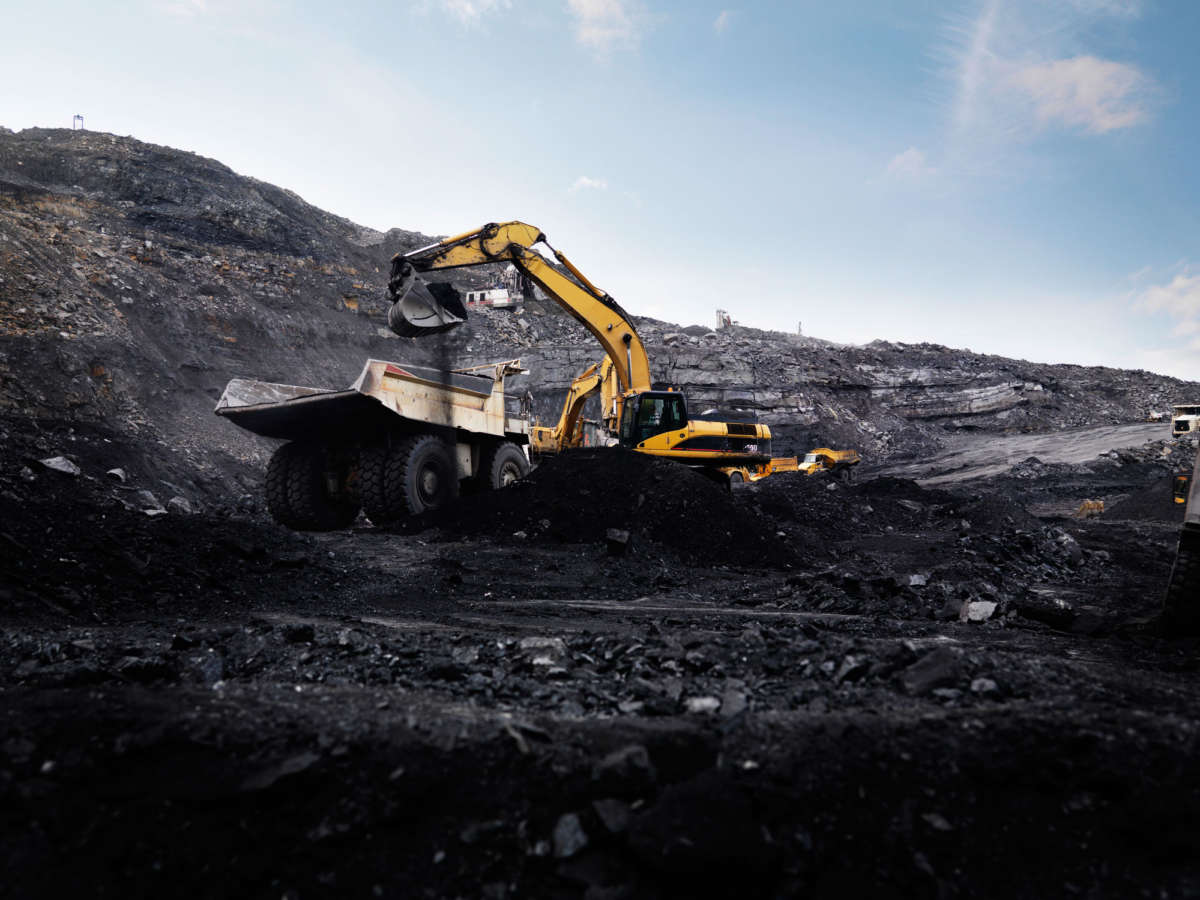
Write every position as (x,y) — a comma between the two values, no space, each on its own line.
(772,692)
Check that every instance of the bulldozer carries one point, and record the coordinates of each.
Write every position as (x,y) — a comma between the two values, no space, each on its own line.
(649,421)
(838,463)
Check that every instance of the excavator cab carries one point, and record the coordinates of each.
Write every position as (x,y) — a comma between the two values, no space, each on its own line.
(650,413)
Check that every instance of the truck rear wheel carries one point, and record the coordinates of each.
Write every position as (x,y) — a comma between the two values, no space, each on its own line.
(311,488)
(407,478)
(502,465)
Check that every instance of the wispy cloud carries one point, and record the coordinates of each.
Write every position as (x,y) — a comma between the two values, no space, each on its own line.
(184,9)
(721,22)
(910,164)
(1096,95)
(974,57)
(603,25)
(585,183)
(1125,9)
(232,15)
(1178,298)
(1019,68)
(469,12)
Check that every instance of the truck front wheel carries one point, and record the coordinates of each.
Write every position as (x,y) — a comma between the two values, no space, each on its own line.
(503,464)
(311,488)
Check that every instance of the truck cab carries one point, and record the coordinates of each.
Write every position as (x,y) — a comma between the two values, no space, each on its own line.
(1185,419)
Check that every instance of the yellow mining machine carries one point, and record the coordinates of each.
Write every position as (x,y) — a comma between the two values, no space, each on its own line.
(572,430)
(838,463)
(649,421)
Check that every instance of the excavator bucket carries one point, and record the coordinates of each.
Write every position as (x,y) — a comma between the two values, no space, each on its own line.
(427,309)
(419,308)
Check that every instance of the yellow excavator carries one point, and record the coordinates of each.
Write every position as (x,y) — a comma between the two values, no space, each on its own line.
(649,421)
(571,429)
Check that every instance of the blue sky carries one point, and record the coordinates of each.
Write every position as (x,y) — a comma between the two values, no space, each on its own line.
(1012,176)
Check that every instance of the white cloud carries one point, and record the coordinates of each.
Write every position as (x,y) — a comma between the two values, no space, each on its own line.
(584,183)
(184,9)
(909,164)
(1180,297)
(1085,92)
(605,24)
(471,11)
(721,22)
(230,15)
(1021,67)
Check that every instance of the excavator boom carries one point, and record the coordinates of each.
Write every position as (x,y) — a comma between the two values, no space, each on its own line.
(417,309)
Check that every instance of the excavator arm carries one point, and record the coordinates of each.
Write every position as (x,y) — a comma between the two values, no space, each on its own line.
(566,432)
(418,309)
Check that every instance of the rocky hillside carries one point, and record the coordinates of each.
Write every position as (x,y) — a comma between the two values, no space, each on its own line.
(136,280)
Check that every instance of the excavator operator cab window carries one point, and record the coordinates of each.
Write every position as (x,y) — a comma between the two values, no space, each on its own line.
(649,414)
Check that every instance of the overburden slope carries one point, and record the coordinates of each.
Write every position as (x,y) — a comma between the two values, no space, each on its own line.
(138,279)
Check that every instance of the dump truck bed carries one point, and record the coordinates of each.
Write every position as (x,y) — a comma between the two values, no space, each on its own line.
(468,401)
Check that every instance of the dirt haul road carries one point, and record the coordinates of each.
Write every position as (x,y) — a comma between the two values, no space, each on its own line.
(981,456)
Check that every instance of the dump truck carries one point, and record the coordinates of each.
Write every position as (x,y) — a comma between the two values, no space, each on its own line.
(400,441)
(1185,419)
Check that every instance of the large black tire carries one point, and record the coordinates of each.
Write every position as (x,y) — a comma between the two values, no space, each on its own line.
(845,474)
(407,478)
(378,482)
(502,465)
(311,488)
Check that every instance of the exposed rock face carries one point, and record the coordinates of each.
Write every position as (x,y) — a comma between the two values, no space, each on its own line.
(136,280)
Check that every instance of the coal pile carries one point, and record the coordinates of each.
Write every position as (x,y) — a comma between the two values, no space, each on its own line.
(818,510)
(1155,502)
(577,497)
